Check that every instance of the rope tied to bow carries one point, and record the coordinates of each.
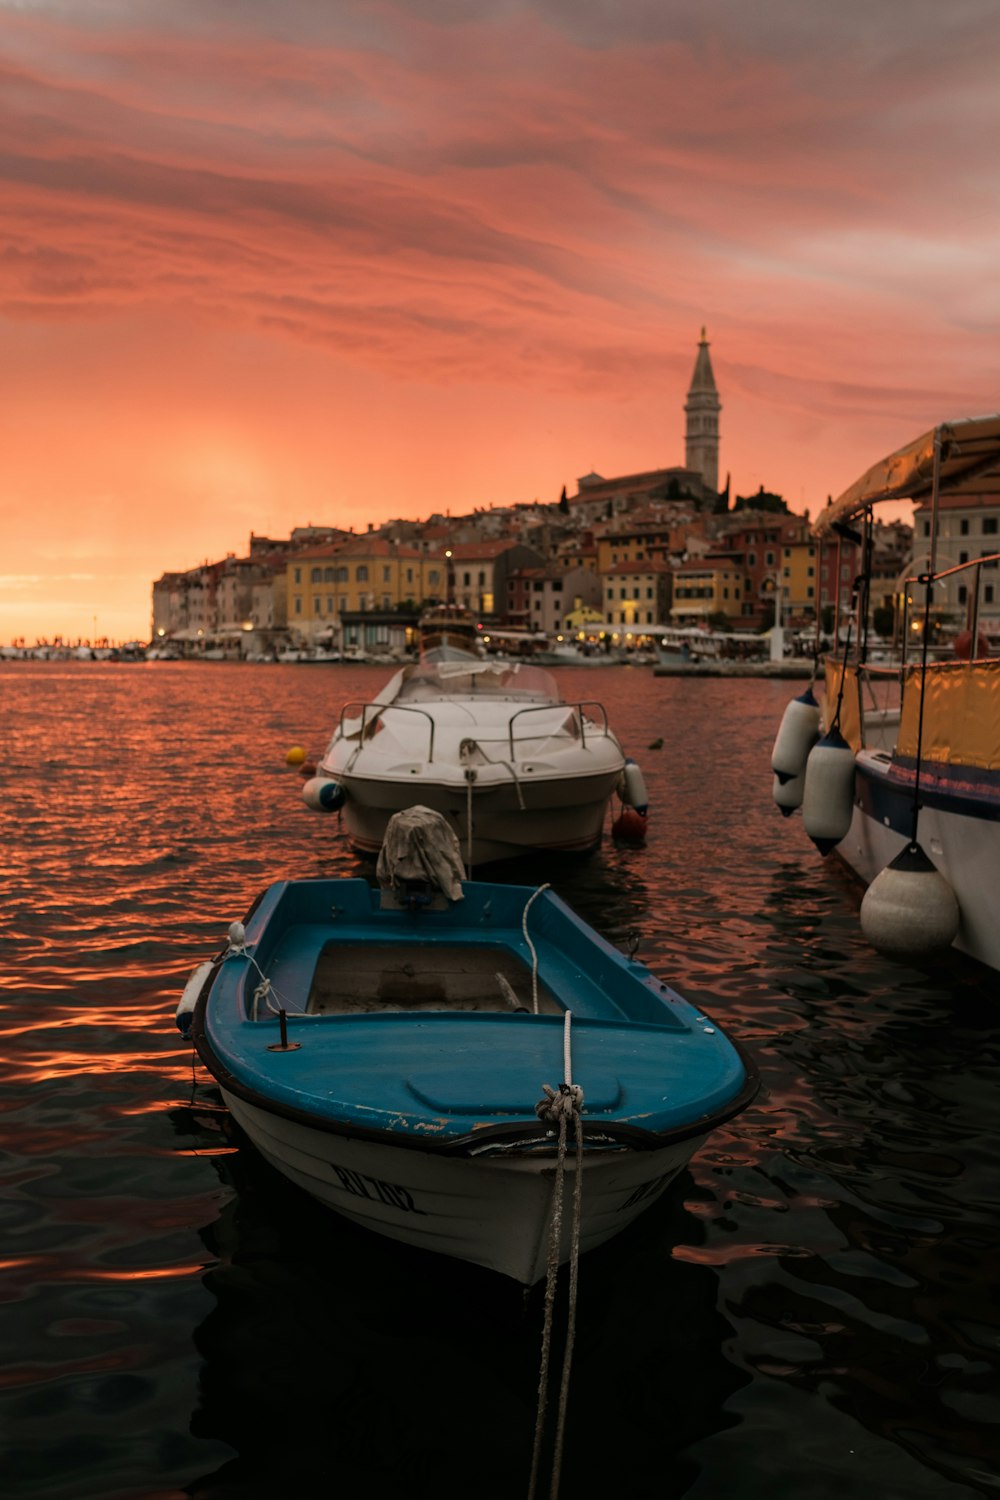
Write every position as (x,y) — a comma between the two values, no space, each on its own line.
(558,1108)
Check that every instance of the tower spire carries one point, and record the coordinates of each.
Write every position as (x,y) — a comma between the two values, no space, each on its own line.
(701,438)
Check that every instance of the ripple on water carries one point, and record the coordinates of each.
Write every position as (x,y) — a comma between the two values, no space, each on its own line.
(825,1269)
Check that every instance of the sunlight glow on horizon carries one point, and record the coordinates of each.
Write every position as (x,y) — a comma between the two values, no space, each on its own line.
(264,268)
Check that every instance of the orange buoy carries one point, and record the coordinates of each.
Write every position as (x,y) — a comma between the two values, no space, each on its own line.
(630,826)
(295,756)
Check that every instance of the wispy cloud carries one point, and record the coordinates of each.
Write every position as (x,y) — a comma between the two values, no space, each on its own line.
(497,218)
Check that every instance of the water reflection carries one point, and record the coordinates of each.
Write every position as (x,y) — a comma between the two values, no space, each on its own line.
(813,1312)
(331,1349)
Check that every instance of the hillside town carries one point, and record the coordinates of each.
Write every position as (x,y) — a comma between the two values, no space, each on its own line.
(626,555)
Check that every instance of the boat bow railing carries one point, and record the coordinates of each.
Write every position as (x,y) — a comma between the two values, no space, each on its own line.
(372,712)
(603,730)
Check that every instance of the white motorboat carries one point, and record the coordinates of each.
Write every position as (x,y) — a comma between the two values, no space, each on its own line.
(488,743)
(914,808)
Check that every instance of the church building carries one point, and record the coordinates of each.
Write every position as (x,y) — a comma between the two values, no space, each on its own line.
(599,499)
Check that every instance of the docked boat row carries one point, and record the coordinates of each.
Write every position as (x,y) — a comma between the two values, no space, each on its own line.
(442,1060)
(897,770)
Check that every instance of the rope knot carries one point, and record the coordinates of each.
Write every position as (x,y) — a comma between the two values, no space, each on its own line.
(566,1101)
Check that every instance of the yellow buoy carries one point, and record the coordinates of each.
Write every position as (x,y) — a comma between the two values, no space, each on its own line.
(295,756)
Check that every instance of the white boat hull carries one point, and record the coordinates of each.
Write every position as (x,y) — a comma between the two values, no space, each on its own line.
(554,813)
(964,848)
(491,1211)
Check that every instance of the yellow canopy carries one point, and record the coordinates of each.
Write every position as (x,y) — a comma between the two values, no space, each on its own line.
(970,464)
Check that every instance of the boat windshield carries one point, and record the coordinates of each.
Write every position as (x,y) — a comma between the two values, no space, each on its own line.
(455,679)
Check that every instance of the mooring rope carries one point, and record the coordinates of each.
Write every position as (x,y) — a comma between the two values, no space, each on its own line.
(534,956)
(557,1108)
(265,989)
(469,774)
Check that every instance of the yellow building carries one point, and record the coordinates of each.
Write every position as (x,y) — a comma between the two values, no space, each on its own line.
(799,579)
(707,588)
(367,573)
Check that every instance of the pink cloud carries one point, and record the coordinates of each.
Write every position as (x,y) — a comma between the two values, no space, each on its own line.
(515,218)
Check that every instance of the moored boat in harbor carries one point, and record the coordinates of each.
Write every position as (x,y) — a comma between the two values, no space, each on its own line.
(431,1060)
(916,812)
(487,742)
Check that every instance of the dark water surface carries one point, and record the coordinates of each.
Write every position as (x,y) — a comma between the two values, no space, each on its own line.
(813,1313)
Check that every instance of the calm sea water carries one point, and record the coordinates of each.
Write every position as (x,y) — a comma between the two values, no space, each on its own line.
(814,1312)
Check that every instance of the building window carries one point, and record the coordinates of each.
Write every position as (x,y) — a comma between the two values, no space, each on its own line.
(963,527)
(361,576)
(298,575)
(433,577)
(751,559)
(298,604)
(341,575)
(963,557)
(963,593)
(329,604)
(988,593)
(409,575)
(769,559)
(386,601)
(327,575)
(927,528)
(989,526)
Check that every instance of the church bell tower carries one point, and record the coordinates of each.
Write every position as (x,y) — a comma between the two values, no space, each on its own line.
(701,437)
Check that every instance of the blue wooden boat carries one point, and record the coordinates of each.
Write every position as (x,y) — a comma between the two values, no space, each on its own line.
(402,1056)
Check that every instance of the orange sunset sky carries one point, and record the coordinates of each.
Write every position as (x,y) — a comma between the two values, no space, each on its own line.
(268,263)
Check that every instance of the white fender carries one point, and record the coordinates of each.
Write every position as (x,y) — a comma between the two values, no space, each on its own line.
(909,909)
(189,996)
(788,794)
(323,794)
(633,787)
(828,797)
(797,733)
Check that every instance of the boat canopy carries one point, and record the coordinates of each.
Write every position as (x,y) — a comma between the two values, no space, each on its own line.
(970,465)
